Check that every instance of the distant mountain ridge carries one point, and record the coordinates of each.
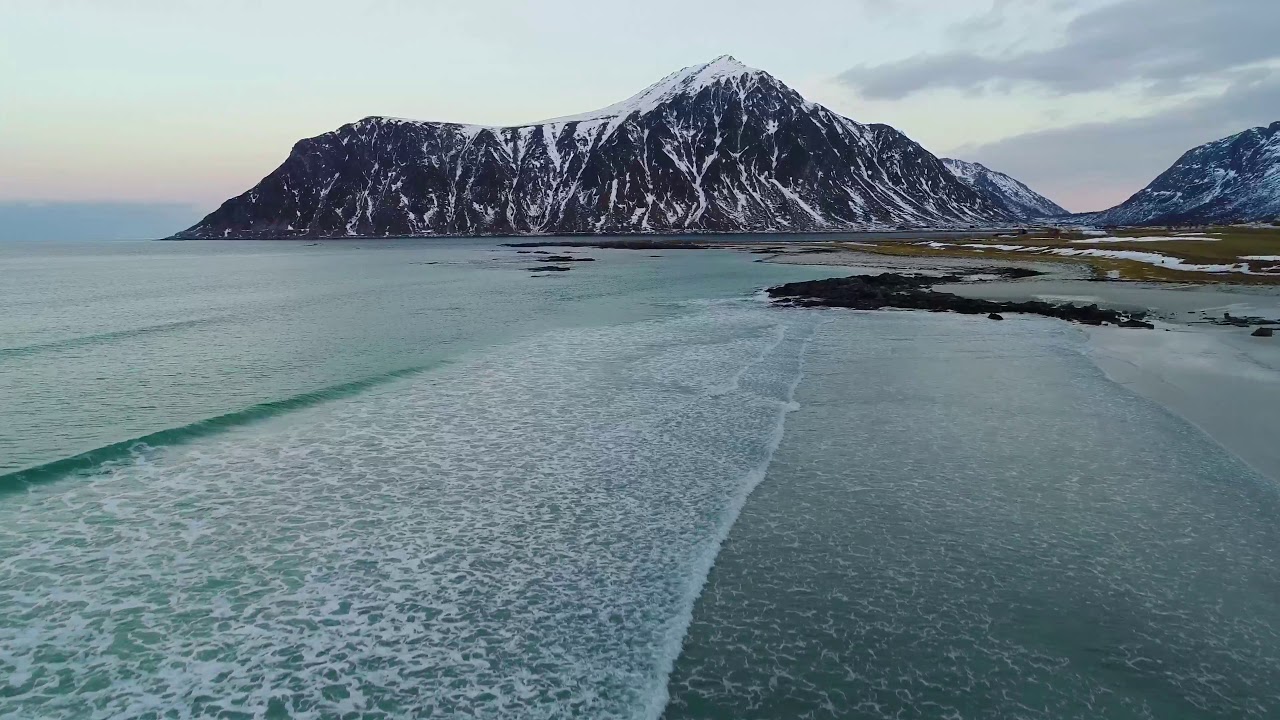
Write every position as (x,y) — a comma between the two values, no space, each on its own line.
(718,147)
(1016,198)
(1232,180)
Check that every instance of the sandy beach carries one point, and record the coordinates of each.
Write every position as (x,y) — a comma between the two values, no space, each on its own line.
(1218,377)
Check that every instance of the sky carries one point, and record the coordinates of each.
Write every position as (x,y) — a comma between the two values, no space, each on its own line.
(133,109)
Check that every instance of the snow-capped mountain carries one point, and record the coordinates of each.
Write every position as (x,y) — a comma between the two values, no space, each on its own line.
(1017,199)
(1236,179)
(718,147)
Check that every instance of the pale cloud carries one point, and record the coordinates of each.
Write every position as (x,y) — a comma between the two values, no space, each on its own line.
(193,101)
(1086,104)
(1091,166)
(1167,44)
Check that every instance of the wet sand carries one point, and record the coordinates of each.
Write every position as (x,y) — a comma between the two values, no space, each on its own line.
(1219,378)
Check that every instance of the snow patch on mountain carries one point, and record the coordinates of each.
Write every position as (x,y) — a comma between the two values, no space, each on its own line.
(688,81)
(717,147)
(1020,200)
(1232,180)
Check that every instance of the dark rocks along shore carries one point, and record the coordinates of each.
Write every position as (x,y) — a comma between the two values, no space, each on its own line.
(893,290)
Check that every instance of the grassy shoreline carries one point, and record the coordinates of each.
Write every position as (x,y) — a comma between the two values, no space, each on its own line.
(1216,246)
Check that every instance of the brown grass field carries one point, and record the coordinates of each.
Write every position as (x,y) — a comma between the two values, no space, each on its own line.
(1225,246)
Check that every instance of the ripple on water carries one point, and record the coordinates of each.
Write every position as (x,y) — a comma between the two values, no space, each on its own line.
(990,529)
(521,535)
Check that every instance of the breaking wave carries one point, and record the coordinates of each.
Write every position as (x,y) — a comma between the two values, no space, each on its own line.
(522,534)
(90,460)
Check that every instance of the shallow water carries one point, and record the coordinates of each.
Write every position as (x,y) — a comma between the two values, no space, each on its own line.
(966,520)
(516,536)
(514,528)
(108,342)
(374,488)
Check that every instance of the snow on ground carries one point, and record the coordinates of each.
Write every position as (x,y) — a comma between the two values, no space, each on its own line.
(1148,239)
(1150,258)
(1006,248)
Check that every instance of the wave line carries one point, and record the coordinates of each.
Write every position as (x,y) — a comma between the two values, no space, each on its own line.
(83,340)
(678,629)
(85,462)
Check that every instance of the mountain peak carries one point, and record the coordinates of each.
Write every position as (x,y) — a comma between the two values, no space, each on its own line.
(695,77)
(686,81)
(1018,199)
(1235,179)
(723,65)
(717,147)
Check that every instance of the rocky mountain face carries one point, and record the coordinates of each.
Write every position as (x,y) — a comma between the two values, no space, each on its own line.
(1236,179)
(718,147)
(1015,198)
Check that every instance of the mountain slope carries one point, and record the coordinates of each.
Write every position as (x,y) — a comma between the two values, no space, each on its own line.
(1017,199)
(716,147)
(1236,179)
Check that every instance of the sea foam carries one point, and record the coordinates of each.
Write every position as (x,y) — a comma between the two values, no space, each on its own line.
(522,534)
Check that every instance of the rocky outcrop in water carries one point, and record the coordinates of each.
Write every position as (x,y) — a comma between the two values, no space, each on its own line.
(912,292)
(613,244)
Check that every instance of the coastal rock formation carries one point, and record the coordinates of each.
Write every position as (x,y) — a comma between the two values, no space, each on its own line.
(1016,198)
(891,290)
(718,147)
(1233,180)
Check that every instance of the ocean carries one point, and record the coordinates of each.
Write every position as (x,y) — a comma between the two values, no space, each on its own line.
(404,478)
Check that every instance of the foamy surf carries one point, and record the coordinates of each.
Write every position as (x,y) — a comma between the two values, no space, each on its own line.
(678,627)
(520,535)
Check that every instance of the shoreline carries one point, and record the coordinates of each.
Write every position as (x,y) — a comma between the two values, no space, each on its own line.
(1226,384)
(1217,377)
(779,236)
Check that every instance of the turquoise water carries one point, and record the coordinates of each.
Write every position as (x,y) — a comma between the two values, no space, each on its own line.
(108,342)
(374,487)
